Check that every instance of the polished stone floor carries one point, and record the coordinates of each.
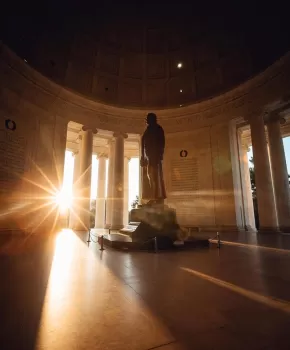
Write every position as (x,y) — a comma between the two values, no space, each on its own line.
(61,294)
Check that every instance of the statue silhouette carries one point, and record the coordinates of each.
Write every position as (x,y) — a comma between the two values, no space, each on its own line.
(152,150)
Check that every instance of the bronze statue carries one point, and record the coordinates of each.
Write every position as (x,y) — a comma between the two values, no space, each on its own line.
(152,150)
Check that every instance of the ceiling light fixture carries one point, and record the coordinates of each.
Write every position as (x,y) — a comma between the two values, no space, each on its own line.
(179,65)
(180,90)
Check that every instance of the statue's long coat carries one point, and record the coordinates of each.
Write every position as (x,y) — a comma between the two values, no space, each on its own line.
(152,148)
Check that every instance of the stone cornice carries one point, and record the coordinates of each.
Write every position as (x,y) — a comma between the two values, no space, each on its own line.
(246,100)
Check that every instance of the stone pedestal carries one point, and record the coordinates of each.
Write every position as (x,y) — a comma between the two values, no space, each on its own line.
(148,222)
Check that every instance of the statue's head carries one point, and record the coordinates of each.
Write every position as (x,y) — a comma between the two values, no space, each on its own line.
(151,118)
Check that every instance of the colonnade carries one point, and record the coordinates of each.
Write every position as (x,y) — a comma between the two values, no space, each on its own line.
(271,176)
(111,210)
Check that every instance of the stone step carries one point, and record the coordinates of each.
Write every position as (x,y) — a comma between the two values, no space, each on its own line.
(133,223)
(125,243)
(129,229)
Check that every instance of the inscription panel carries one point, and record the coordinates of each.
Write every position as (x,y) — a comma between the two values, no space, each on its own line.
(12,157)
(13,147)
(184,174)
(14,166)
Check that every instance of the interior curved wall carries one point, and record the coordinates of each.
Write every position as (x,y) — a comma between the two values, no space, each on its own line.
(41,110)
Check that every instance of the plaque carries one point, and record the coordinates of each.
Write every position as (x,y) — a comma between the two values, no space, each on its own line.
(184,174)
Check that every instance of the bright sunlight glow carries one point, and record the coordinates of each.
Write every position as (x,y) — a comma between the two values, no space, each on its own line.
(64,198)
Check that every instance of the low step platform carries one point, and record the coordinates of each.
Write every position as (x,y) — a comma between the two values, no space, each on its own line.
(126,243)
(130,228)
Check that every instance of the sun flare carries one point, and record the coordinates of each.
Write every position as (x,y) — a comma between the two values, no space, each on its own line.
(63,200)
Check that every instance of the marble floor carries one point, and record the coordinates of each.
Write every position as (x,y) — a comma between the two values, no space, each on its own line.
(59,293)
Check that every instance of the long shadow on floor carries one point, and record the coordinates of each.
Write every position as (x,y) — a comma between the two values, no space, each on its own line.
(24,274)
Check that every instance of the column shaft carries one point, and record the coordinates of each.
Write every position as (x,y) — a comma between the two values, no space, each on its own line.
(265,194)
(101,192)
(140,174)
(110,184)
(118,187)
(279,174)
(126,191)
(84,187)
(246,182)
(73,210)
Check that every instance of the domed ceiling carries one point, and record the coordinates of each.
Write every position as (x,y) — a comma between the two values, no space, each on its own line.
(137,57)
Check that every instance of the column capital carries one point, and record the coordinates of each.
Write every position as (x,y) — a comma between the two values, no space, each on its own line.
(87,128)
(74,153)
(120,134)
(102,155)
(276,118)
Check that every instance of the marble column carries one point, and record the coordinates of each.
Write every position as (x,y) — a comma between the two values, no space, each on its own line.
(118,183)
(101,193)
(84,186)
(126,191)
(265,193)
(247,189)
(73,210)
(109,200)
(140,174)
(279,174)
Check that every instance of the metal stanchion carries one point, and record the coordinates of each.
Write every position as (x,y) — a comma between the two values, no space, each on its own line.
(218,240)
(102,242)
(155,245)
(89,238)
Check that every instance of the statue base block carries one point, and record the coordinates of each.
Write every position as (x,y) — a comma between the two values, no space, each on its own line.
(152,227)
(124,242)
(152,221)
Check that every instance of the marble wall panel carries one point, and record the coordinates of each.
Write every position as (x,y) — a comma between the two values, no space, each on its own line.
(198,177)
(16,151)
(32,149)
